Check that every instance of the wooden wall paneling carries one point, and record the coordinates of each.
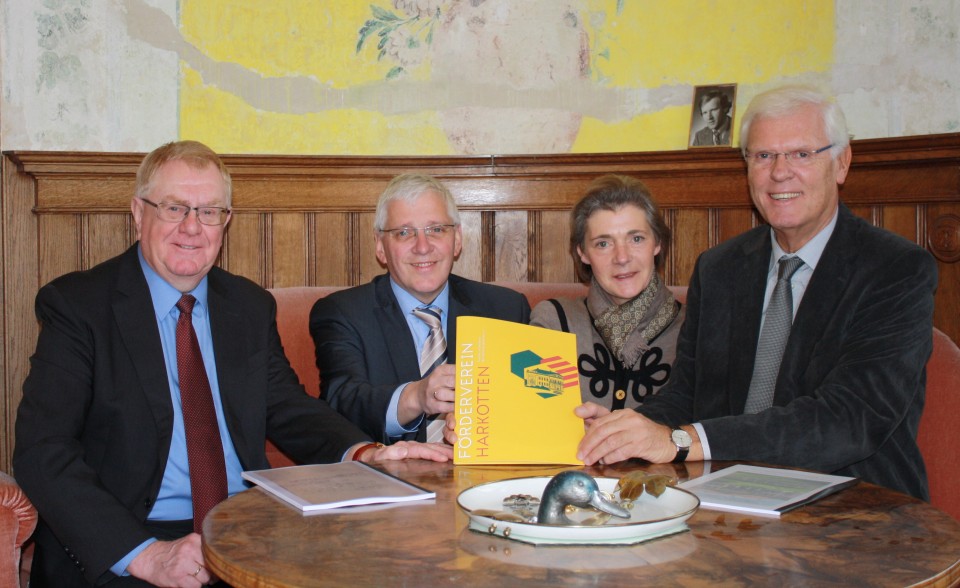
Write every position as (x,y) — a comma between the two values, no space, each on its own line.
(905,220)
(477,229)
(691,230)
(511,246)
(942,238)
(335,248)
(731,222)
(246,251)
(553,260)
(105,234)
(59,241)
(867,213)
(291,243)
(77,194)
(366,258)
(20,279)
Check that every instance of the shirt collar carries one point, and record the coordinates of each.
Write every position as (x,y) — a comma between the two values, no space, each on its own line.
(165,296)
(809,253)
(408,301)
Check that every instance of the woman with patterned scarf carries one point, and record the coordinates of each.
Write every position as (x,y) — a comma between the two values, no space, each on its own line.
(628,323)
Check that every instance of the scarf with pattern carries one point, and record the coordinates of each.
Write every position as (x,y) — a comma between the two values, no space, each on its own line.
(627,329)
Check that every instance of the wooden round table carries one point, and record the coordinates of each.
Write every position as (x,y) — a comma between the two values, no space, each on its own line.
(865,535)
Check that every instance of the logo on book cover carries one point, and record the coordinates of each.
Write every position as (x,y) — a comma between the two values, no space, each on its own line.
(549,375)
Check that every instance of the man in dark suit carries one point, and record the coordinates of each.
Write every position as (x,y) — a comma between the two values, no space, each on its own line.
(105,436)
(847,396)
(371,346)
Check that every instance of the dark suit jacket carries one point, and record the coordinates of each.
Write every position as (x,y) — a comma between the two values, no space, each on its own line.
(365,348)
(850,391)
(93,430)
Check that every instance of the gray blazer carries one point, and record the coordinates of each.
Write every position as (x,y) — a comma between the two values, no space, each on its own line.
(850,392)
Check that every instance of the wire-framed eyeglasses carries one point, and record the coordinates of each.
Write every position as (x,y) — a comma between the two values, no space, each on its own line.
(175,213)
(798,158)
(433,232)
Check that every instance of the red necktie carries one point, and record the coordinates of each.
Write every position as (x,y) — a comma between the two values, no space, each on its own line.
(208,474)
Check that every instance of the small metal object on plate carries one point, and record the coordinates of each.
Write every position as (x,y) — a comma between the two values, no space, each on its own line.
(521,501)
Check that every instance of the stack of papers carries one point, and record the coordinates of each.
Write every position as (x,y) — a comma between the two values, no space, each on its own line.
(320,487)
(763,491)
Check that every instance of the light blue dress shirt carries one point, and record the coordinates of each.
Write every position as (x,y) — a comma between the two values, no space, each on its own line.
(174,502)
(420,331)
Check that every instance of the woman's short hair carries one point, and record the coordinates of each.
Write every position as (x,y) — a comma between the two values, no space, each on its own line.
(193,153)
(786,100)
(409,187)
(612,192)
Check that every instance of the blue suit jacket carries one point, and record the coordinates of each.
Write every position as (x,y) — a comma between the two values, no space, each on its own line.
(365,348)
(850,391)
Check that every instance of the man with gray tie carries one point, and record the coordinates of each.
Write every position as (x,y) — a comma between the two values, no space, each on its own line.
(385,349)
(806,341)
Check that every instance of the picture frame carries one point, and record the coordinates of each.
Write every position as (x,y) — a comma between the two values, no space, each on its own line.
(712,115)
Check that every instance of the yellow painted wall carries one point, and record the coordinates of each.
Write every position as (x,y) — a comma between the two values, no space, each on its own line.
(648,55)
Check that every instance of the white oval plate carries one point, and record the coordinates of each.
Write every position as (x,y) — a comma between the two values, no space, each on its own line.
(650,517)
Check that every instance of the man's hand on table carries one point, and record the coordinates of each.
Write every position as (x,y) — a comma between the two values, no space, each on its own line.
(172,563)
(622,434)
(408,450)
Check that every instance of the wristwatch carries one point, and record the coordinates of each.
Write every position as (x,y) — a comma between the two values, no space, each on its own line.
(683,441)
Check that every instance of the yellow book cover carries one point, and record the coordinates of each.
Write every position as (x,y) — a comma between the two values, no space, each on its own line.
(517,386)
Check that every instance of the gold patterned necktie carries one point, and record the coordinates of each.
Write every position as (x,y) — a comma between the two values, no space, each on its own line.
(208,474)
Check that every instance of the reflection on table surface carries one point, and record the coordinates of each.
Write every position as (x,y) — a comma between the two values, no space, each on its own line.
(865,535)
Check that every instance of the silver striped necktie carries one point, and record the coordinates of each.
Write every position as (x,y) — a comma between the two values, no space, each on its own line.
(435,347)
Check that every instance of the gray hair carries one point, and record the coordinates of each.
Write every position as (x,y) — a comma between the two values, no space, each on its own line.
(612,192)
(193,153)
(786,100)
(409,187)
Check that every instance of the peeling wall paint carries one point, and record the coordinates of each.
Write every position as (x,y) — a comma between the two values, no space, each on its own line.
(459,77)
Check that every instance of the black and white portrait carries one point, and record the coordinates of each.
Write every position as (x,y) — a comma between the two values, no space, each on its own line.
(711,121)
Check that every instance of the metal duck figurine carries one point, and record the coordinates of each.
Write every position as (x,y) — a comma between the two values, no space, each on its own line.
(577,489)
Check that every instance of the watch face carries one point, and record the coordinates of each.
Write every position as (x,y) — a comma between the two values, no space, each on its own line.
(681,438)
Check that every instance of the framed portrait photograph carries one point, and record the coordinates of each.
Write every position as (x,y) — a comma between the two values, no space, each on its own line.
(711,118)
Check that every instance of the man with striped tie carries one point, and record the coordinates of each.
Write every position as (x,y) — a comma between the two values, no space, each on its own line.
(385,349)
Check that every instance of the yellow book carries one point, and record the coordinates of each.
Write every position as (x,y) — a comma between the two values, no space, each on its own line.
(517,386)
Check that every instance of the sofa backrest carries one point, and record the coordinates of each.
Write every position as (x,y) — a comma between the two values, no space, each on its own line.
(293,318)
(939,435)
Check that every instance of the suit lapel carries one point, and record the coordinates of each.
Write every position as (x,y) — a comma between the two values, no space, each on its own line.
(230,353)
(395,332)
(824,292)
(137,325)
(749,278)
(460,305)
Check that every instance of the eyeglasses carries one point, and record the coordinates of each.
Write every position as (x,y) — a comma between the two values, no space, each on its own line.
(176,213)
(433,232)
(799,158)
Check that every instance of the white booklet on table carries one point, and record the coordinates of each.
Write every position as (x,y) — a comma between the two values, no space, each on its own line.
(763,491)
(326,486)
